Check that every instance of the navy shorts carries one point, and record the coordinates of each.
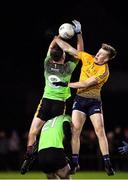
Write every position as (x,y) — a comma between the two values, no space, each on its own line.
(87,105)
(52,159)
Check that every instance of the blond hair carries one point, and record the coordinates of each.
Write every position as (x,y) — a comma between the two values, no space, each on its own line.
(111,50)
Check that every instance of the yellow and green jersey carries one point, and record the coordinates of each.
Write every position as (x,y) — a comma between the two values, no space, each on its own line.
(57,72)
(52,134)
(89,69)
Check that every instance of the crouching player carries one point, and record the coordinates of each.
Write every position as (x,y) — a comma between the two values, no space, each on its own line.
(51,153)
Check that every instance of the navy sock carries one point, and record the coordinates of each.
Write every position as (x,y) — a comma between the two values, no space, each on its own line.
(106,158)
(75,158)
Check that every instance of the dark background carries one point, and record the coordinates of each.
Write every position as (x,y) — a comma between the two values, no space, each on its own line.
(26,30)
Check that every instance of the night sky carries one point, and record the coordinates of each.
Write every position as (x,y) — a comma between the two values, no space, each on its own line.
(26,30)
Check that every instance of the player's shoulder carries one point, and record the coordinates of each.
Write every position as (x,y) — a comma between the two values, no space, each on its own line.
(47,58)
(66,117)
(82,55)
(104,70)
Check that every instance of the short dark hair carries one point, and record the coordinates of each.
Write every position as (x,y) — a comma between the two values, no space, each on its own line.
(56,53)
(111,50)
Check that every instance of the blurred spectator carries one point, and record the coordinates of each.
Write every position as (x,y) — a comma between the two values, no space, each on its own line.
(14,150)
(3,151)
(88,150)
(111,136)
(126,133)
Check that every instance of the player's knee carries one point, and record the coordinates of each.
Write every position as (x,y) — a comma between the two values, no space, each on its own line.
(76,130)
(64,172)
(64,175)
(100,132)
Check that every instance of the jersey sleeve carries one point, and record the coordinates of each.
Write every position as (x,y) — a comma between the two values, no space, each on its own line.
(47,58)
(84,57)
(74,60)
(72,64)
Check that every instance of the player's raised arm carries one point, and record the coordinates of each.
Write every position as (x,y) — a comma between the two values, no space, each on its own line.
(52,45)
(66,47)
(80,43)
(78,31)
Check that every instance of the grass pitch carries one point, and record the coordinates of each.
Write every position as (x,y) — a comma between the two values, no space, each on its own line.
(79,175)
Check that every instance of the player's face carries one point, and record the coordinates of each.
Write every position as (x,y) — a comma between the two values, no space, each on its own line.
(101,57)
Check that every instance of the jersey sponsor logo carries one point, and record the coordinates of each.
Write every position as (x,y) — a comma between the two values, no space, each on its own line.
(56,70)
(97,110)
(74,105)
(53,78)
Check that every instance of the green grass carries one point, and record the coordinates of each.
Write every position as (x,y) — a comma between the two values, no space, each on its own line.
(78,175)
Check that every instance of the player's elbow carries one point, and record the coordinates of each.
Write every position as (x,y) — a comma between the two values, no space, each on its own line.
(92,81)
(89,83)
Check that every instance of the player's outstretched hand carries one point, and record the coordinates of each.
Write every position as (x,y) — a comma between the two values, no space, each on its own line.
(123,149)
(77,26)
(60,83)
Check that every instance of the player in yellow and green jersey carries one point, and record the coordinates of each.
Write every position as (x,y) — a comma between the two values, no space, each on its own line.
(53,101)
(54,98)
(94,73)
(53,147)
(52,156)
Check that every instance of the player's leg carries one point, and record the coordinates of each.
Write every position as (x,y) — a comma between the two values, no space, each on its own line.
(98,124)
(78,120)
(52,176)
(36,125)
(64,173)
(32,145)
(37,122)
(46,110)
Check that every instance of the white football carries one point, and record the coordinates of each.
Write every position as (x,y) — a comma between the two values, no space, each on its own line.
(66,31)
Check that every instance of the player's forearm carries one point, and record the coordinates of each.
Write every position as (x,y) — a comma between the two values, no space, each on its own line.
(83,84)
(66,47)
(31,139)
(62,44)
(52,44)
(77,85)
(80,42)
